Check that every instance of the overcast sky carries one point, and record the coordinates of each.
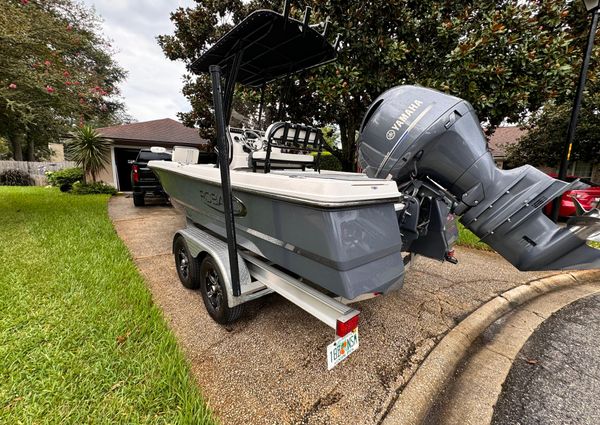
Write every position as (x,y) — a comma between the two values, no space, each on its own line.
(153,86)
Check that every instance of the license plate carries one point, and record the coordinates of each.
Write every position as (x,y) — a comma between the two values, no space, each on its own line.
(341,348)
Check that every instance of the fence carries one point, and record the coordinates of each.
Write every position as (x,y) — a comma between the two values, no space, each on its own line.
(37,170)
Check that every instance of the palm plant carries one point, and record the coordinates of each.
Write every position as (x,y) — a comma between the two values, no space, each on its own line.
(90,150)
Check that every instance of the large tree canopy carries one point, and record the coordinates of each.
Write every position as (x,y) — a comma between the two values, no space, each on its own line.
(505,57)
(56,71)
(544,141)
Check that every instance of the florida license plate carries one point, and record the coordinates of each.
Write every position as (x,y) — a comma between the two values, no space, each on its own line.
(341,348)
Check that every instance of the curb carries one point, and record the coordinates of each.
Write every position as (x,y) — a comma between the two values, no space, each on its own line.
(418,397)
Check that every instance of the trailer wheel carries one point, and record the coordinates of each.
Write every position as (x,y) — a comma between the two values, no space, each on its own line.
(138,199)
(187,266)
(214,293)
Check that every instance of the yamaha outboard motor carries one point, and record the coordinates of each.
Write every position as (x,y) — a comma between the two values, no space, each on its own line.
(432,145)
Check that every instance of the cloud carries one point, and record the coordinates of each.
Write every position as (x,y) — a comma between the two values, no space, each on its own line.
(153,86)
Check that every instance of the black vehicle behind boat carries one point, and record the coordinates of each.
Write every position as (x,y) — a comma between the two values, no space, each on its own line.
(143,180)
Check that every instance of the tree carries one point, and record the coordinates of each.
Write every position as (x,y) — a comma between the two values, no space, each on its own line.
(89,150)
(56,71)
(506,57)
(547,129)
(4,151)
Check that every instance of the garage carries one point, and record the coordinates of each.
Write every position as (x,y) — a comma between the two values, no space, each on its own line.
(128,139)
(123,168)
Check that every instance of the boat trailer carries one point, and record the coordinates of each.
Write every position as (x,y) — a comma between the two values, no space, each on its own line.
(258,278)
(502,207)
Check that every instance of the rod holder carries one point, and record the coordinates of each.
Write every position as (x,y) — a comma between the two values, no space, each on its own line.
(338,40)
(325,27)
(286,13)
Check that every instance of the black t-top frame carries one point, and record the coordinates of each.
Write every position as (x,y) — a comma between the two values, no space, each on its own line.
(263,47)
(273,46)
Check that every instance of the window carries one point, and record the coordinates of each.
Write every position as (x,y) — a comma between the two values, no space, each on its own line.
(153,156)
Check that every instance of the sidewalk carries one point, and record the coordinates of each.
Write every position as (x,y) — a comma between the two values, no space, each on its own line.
(270,367)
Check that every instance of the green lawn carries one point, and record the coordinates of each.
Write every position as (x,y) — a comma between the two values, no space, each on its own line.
(468,239)
(80,339)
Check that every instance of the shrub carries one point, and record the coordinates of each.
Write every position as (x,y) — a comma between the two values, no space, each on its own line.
(330,162)
(14,178)
(92,188)
(90,150)
(65,178)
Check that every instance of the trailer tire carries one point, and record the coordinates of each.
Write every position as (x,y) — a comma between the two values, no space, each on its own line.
(187,266)
(138,199)
(214,293)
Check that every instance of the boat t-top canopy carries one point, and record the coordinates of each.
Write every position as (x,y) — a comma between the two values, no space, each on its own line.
(268,45)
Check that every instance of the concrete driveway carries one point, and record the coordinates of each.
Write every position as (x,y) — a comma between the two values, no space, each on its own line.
(270,366)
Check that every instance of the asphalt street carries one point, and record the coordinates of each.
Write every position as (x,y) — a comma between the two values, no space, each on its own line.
(556,377)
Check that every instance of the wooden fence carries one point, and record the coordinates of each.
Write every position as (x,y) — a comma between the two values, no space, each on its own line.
(37,170)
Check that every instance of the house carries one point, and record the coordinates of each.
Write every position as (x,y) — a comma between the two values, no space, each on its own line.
(501,139)
(509,135)
(128,139)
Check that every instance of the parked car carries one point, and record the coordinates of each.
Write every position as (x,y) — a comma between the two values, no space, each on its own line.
(143,179)
(588,198)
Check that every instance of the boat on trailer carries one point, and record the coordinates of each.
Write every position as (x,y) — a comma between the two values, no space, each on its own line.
(266,218)
(337,230)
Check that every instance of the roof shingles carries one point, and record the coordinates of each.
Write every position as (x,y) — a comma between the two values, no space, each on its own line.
(503,137)
(164,132)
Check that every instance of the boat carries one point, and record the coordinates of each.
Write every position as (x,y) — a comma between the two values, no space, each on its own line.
(426,164)
(339,231)
(268,195)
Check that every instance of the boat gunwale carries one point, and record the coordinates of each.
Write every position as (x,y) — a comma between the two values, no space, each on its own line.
(291,199)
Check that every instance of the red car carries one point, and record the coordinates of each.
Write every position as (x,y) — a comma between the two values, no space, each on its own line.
(588,198)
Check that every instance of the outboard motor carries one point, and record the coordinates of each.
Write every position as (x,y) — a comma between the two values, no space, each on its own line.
(433,146)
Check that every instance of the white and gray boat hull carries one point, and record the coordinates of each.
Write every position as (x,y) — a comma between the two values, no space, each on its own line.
(350,248)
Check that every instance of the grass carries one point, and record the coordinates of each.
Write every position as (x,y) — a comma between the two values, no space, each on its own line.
(469,239)
(80,339)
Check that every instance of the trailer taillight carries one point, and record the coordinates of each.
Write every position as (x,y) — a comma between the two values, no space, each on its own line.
(343,328)
(136,173)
